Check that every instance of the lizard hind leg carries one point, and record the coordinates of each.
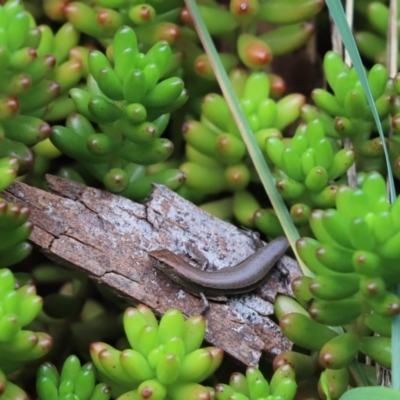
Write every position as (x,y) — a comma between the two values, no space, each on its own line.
(206,304)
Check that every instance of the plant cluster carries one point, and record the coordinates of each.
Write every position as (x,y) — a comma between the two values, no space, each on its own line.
(371,36)
(131,110)
(354,258)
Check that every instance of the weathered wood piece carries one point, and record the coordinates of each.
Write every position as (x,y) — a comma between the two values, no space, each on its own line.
(107,237)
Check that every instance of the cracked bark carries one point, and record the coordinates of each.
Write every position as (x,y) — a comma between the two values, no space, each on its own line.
(107,237)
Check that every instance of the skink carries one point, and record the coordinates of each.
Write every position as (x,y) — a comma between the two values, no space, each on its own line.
(242,278)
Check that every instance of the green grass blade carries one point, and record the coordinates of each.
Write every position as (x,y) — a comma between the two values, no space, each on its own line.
(245,130)
(396,347)
(339,17)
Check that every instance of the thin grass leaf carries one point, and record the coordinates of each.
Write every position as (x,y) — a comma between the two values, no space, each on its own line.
(339,17)
(357,373)
(245,130)
(392,59)
(396,347)
(325,386)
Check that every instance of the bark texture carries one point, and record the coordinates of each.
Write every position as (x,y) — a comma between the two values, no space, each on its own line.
(107,237)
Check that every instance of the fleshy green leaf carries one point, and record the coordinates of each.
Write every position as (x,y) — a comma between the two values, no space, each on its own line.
(371,393)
